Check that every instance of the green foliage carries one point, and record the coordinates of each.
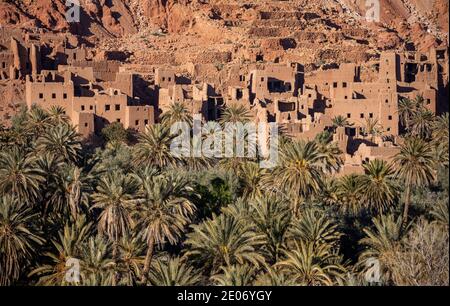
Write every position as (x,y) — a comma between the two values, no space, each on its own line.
(139,215)
(115,133)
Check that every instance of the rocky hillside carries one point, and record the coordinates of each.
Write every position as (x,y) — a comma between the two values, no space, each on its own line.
(219,32)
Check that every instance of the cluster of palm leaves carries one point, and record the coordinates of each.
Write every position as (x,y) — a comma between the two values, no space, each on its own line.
(140,215)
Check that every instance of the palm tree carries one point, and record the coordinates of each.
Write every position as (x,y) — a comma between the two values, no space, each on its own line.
(310,265)
(165,209)
(406,110)
(330,152)
(96,263)
(115,197)
(71,188)
(236,114)
(300,169)
(381,242)
(67,246)
(316,228)
(414,167)
(348,193)
(421,123)
(173,272)
(440,213)
(131,259)
(272,218)
(57,115)
(19,175)
(252,180)
(18,238)
(340,121)
(373,128)
(440,129)
(37,121)
(177,112)
(235,275)
(377,186)
(153,148)
(440,139)
(224,241)
(61,140)
(274,277)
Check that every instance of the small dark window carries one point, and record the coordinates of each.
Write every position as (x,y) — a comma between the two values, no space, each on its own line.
(3,65)
(361,115)
(118,120)
(346,97)
(82,107)
(64,96)
(262,79)
(53,96)
(91,107)
(370,115)
(428,101)
(390,117)
(41,96)
(344,84)
(335,84)
(387,101)
(86,124)
(117,107)
(136,122)
(349,115)
(170,79)
(146,121)
(388,129)
(107,107)
(163,79)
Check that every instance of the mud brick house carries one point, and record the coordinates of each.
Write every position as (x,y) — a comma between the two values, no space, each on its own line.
(93,94)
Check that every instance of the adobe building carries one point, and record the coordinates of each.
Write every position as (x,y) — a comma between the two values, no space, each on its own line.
(97,92)
(198,98)
(18,56)
(93,95)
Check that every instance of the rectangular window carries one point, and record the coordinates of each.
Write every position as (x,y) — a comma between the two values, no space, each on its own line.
(117,107)
(335,84)
(91,107)
(118,120)
(390,117)
(82,107)
(370,115)
(146,121)
(349,115)
(344,84)
(107,107)
(64,96)
(361,115)
(136,122)
(53,96)
(41,96)
(86,124)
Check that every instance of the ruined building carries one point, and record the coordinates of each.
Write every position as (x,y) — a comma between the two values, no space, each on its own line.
(96,92)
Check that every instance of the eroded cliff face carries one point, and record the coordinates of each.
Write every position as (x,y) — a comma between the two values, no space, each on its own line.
(176,32)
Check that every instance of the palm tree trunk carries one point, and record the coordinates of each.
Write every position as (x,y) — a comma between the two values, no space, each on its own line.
(148,260)
(116,276)
(406,208)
